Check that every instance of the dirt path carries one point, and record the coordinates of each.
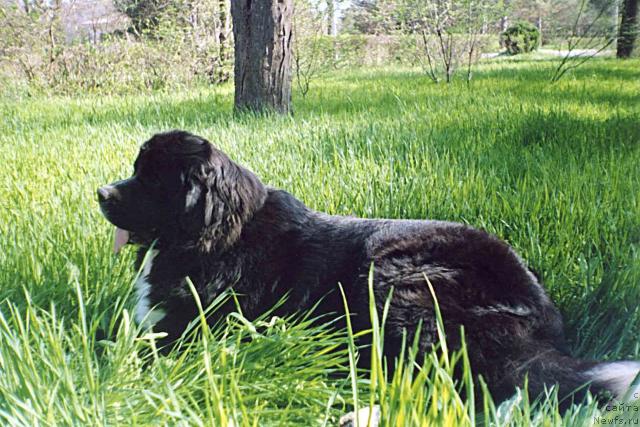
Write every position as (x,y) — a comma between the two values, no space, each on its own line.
(558,52)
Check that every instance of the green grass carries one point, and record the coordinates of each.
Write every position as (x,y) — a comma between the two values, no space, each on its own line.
(553,169)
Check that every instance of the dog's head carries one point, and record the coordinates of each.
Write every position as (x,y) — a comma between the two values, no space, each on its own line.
(183,191)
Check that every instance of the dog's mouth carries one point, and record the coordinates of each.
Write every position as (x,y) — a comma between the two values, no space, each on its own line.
(121,238)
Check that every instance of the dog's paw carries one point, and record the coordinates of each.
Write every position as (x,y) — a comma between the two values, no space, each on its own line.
(365,417)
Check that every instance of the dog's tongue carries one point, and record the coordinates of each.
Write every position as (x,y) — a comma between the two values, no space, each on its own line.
(121,239)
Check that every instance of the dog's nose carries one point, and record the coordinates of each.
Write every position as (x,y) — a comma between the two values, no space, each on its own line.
(105,192)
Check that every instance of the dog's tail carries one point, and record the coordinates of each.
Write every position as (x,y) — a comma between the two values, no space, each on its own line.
(619,381)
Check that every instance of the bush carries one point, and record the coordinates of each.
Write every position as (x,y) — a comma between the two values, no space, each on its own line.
(37,55)
(521,37)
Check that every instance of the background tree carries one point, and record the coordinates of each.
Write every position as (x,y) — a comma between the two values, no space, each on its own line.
(313,51)
(33,38)
(372,17)
(628,29)
(592,32)
(262,32)
(332,29)
(448,33)
(89,45)
(145,14)
(202,28)
(538,12)
(556,19)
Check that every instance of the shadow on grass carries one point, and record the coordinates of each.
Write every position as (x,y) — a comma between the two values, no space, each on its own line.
(387,95)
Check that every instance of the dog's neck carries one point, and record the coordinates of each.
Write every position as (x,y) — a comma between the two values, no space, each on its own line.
(296,249)
(284,247)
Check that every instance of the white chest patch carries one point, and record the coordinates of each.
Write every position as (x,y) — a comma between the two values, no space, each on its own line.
(145,315)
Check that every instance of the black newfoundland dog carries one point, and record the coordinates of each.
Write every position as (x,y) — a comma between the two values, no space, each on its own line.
(214,221)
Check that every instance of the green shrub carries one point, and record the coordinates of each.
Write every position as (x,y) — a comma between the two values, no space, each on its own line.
(522,37)
(36,53)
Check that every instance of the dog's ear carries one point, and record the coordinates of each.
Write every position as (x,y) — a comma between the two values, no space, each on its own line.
(220,197)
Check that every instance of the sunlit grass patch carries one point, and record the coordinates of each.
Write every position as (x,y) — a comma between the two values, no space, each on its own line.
(553,169)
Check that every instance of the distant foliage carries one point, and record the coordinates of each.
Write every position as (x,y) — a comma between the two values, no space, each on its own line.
(372,17)
(365,50)
(311,54)
(146,15)
(451,34)
(521,37)
(592,30)
(170,47)
(316,49)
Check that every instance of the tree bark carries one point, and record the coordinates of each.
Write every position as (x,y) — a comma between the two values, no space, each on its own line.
(331,18)
(262,35)
(539,25)
(223,35)
(628,29)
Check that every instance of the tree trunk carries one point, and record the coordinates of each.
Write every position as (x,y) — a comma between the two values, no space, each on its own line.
(331,18)
(223,35)
(262,35)
(504,23)
(24,5)
(628,29)
(539,25)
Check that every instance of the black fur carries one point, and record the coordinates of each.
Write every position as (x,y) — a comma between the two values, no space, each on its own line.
(216,223)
